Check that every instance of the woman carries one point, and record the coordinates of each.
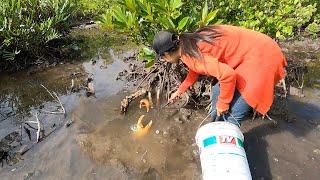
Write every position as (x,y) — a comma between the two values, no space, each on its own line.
(247,64)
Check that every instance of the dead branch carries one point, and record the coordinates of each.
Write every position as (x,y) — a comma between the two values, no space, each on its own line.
(126,101)
(48,91)
(63,110)
(38,125)
(158,96)
(57,99)
(146,78)
(51,112)
(150,99)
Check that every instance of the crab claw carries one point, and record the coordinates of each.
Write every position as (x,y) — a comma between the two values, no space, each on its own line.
(142,129)
(145,103)
(139,123)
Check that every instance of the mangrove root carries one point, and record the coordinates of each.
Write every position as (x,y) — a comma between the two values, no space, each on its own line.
(126,101)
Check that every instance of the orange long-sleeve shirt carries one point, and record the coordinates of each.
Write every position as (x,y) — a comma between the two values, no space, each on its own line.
(241,58)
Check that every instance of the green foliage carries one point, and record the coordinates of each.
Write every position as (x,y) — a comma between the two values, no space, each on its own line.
(142,18)
(278,18)
(314,27)
(148,55)
(27,26)
(94,7)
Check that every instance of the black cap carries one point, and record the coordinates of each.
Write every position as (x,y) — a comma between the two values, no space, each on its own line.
(164,41)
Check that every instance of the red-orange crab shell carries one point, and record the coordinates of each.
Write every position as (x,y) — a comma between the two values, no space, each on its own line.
(141,128)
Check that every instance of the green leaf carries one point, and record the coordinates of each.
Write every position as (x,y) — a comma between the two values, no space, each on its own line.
(205,11)
(175,14)
(166,23)
(147,51)
(130,4)
(183,23)
(211,16)
(288,30)
(149,64)
(175,4)
(148,55)
(278,34)
(119,15)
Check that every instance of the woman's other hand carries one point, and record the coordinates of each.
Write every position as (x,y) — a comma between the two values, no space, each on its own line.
(174,96)
(221,112)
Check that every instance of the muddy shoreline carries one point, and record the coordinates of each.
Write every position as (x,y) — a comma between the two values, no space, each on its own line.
(99,142)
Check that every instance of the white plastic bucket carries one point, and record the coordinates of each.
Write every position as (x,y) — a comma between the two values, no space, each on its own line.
(222,153)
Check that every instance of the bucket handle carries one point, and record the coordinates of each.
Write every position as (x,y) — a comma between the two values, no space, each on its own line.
(217,118)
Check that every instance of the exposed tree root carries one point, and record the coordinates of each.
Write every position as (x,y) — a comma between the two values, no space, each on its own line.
(125,102)
(164,78)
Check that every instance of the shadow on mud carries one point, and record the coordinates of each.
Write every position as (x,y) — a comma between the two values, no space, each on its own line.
(259,141)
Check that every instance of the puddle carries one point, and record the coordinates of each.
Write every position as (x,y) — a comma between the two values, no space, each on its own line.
(111,138)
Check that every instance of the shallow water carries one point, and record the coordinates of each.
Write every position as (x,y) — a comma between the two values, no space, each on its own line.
(111,137)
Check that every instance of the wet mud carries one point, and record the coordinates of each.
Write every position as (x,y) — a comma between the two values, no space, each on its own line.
(100,142)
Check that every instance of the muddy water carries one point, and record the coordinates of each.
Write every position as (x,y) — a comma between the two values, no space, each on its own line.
(111,138)
(100,144)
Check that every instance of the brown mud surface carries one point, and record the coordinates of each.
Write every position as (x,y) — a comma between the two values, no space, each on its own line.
(100,143)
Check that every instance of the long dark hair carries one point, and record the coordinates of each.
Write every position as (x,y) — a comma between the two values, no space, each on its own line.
(188,41)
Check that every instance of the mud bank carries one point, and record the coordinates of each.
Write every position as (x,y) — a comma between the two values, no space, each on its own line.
(100,144)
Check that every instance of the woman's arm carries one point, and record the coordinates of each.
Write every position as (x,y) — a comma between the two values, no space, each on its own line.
(191,78)
(226,77)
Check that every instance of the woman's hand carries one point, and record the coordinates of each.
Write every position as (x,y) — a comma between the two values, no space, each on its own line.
(221,112)
(174,96)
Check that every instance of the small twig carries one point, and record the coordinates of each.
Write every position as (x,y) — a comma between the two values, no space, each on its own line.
(143,155)
(146,77)
(72,84)
(56,98)
(29,125)
(272,120)
(63,110)
(52,112)
(48,91)
(158,96)
(150,99)
(33,122)
(284,87)
(254,115)
(162,80)
(38,126)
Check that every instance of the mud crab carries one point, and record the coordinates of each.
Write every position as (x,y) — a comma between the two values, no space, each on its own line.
(141,128)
